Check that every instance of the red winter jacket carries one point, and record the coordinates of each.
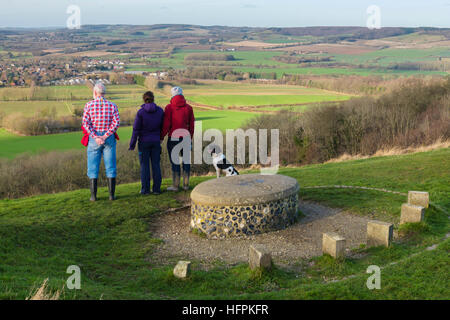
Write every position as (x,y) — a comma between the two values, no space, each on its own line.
(178,115)
(85,138)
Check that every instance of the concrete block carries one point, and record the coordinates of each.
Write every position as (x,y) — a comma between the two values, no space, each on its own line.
(379,233)
(259,257)
(333,244)
(182,269)
(411,213)
(419,198)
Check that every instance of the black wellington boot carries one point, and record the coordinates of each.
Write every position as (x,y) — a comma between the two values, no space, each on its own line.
(112,188)
(93,187)
(186,180)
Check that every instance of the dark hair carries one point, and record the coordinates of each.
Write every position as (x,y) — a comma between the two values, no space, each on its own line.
(149,97)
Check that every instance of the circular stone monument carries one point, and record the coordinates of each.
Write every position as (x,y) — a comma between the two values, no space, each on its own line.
(244,205)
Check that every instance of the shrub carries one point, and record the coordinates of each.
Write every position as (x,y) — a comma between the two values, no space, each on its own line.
(354,84)
(127,116)
(413,115)
(208,57)
(45,122)
(38,125)
(59,171)
(297,59)
(207,72)
(288,125)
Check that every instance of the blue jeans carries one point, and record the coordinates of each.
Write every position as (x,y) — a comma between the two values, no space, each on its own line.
(150,152)
(176,167)
(94,157)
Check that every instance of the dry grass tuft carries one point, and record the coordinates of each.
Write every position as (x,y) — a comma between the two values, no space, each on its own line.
(439,144)
(43,294)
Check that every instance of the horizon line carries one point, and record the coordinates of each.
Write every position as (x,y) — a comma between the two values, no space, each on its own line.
(215,25)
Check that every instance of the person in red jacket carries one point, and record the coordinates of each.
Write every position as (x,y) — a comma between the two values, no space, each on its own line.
(178,125)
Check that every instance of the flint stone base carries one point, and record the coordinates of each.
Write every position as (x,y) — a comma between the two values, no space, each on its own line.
(244,205)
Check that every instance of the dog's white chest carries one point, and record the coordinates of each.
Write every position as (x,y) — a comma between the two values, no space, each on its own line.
(218,158)
(221,164)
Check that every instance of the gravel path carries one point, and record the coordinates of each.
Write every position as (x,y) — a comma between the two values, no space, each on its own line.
(301,240)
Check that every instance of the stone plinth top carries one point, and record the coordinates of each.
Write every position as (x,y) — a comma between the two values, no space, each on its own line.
(247,189)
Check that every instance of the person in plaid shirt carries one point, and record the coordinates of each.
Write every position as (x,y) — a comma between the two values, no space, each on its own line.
(101,120)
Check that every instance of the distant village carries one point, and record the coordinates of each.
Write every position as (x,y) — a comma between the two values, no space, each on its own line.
(76,72)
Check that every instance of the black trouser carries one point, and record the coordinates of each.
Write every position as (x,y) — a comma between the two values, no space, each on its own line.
(176,167)
(150,152)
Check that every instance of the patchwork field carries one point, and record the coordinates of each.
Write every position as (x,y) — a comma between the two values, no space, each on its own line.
(13,145)
(62,100)
(30,108)
(226,94)
(378,59)
(339,71)
(385,57)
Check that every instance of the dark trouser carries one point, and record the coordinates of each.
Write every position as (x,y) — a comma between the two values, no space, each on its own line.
(150,151)
(176,167)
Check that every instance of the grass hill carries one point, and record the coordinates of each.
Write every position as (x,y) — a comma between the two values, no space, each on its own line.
(110,241)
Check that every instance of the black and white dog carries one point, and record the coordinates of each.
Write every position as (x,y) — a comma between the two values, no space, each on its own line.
(220,162)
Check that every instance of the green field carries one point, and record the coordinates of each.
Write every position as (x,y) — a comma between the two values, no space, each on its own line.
(60,100)
(43,235)
(287,39)
(63,99)
(338,71)
(242,100)
(242,58)
(30,108)
(384,57)
(5,134)
(223,119)
(263,62)
(297,108)
(76,92)
(13,145)
(225,94)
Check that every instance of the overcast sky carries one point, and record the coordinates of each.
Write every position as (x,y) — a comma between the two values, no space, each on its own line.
(262,13)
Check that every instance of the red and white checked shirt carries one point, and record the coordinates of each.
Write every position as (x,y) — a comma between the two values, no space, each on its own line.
(100,115)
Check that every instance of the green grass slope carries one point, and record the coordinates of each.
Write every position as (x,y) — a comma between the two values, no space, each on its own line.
(110,241)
